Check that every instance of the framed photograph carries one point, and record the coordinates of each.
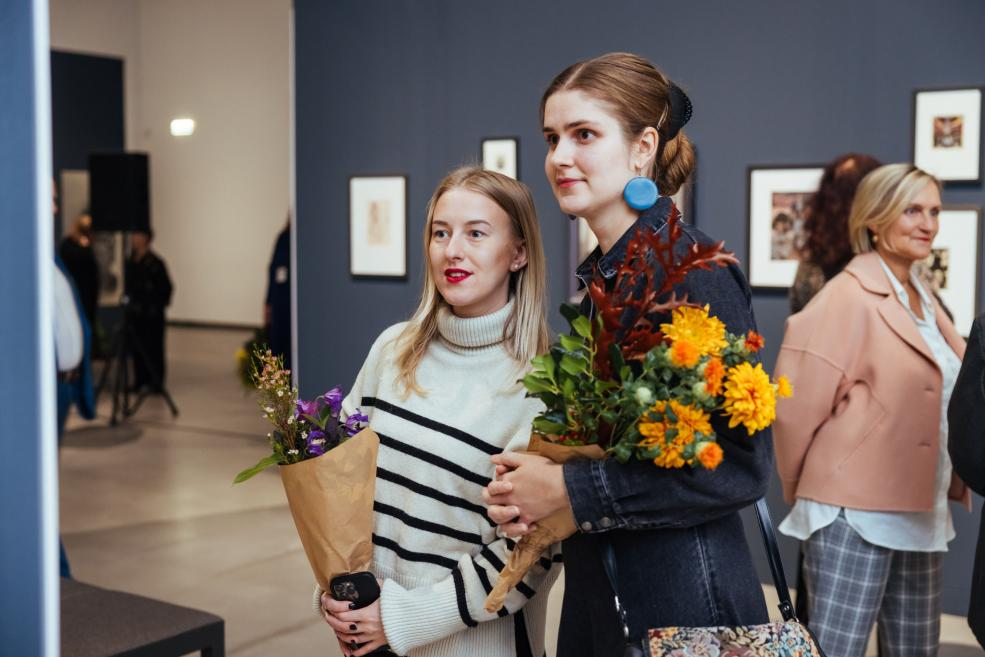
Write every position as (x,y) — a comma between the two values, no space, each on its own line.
(947,133)
(378,226)
(778,198)
(501,154)
(107,247)
(955,263)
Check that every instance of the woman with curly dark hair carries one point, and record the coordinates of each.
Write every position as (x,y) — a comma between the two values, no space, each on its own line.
(827,249)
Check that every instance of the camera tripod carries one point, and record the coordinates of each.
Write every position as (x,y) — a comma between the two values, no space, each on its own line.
(118,362)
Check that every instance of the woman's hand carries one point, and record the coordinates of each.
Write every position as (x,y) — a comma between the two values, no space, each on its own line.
(354,626)
(528,488)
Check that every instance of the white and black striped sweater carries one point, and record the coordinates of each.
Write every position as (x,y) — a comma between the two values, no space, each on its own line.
(435,548)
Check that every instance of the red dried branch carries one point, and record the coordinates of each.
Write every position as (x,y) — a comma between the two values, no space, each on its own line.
(635,298)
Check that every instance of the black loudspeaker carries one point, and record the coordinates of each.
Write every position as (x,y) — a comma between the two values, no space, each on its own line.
(119,191)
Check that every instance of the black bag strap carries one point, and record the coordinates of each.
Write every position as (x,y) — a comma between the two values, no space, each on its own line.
(772,554)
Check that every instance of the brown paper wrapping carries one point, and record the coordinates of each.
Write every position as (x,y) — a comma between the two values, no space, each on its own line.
(331,499)
(555,527)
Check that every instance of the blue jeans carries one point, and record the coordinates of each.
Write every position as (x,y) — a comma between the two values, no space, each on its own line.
(693,577)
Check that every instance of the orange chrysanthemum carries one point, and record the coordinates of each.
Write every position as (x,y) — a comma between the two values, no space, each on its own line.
(750,399)
(709,454)
(714,374)
(706,333)
(652,432)
(754,341)
(670,457)
(683,353)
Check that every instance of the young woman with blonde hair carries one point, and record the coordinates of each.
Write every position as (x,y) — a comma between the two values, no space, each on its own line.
(441,391)
(862,453)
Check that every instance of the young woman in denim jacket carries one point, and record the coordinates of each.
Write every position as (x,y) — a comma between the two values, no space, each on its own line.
(680,550)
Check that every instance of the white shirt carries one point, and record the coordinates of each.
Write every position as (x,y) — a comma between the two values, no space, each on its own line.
(922,531)
(68,327)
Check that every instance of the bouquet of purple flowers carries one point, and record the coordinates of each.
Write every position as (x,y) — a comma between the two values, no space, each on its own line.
(302,429)
(328,468)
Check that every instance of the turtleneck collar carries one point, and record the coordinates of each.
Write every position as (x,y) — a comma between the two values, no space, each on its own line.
(473,332)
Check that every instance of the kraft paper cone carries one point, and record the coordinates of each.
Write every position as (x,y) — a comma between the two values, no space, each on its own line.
(555,527)
(331,499)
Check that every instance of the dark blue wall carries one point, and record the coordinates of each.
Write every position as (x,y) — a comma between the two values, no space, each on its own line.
(28,488)
(399,86)
(86,109)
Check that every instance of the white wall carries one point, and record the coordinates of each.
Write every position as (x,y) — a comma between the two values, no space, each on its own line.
(219,197)
(103,27)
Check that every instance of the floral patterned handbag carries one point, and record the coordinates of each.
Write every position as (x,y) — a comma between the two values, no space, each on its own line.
(789,638)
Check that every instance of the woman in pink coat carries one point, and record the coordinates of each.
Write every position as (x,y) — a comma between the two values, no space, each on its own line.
(862,446)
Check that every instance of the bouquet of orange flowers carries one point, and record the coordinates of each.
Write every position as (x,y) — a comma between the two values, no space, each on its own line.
(633,389)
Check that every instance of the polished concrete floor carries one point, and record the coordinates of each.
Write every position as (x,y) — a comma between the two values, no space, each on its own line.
(149,507)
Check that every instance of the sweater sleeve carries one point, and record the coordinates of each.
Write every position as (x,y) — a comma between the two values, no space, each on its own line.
(423,615)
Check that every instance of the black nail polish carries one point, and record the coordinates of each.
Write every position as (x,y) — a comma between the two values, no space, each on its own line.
(352,626)
(352,605)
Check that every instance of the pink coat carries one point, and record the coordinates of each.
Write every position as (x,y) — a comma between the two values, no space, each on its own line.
(862,429)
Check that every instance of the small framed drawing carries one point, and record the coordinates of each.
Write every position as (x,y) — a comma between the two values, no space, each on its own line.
(955,262)
(947,133)
(501,154)
(378,226)
(778,198)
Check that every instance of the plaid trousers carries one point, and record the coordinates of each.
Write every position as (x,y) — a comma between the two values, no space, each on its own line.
(852,583)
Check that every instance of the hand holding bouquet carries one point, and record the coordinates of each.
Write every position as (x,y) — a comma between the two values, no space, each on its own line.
(328,468)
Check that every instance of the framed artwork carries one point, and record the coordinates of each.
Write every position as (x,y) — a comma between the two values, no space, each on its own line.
(378,226)
(107,247)
(955,262)
(947,133)
(501,154)
(778,198)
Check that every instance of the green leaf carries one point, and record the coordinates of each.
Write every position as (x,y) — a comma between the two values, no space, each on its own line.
(273,459)
(568,387)
(545,426)
(582,326)
(572,343)
(545,363)
(534,384)
(570,312)
(573,365)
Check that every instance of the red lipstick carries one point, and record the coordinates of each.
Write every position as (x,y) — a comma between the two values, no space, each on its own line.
(456,275)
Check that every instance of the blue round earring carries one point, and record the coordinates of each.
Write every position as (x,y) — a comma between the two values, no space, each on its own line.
(640,193)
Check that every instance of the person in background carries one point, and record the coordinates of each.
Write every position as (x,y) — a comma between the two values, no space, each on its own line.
(862,449)
(827,249)
(77,254)
(966,445)
(277,308)
(148,288)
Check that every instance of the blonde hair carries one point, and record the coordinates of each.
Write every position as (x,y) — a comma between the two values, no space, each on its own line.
(881,198)
(639,94)
(526,332)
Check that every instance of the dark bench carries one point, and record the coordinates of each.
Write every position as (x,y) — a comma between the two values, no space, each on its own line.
(102,623)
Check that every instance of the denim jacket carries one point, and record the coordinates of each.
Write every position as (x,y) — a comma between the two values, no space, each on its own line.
(607,495)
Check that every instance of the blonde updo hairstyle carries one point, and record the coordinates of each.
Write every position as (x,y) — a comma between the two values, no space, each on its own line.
(526,333)
(639,95)
(880,200)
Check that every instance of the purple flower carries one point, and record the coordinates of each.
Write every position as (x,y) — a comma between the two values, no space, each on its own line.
(353,422)
(316,443)
(306,408)
(333,398)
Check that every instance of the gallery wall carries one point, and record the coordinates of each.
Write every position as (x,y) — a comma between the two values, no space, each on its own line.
(219,197)
(385,87)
